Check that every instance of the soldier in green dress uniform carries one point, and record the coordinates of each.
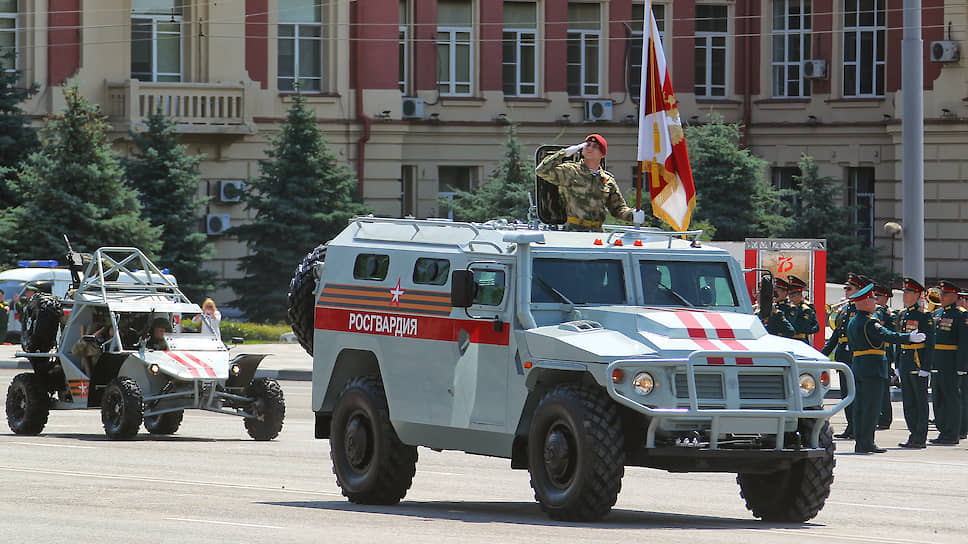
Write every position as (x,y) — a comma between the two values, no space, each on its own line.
(781,289)
(587,189)
(837,344)
(886,316)
(805,317)
(914,364)
(4,317)
(950,363)
(867,337)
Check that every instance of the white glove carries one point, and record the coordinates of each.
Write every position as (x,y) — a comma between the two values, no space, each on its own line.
(638,217)
(961,372)
(917,337)
(923,373)
(569,151)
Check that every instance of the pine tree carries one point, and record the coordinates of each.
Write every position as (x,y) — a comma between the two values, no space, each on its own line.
(731,192)
(75,185)
(818,215)
(166,178)
(505,195)
(301,199)
(17,141)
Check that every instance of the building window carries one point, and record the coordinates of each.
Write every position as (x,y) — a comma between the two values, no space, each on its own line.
(860,196)
(450,179)
(520,49)
(300,46)
(711,58)
(156,40)
(635,48)
(786,180)
(791,45)
(404,69)
(454,59)
(8,35)
(864,44)
(409,196)
(584,49)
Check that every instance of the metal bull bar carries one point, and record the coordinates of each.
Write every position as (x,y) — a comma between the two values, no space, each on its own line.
(714,415)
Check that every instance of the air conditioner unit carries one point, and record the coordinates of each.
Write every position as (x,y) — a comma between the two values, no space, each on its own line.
(231,190)
(412,108)
(945,51)
(814,68)
(216,223)
(598,110)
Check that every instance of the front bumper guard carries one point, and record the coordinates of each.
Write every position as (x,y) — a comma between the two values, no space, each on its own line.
(715,416)
(204,395)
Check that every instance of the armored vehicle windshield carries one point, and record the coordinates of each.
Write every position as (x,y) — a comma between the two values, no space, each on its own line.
(682,283)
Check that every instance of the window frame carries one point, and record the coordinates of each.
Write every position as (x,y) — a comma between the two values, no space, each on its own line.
(878,67)
(780,175)
(452,43)
(404,64)
(855,197)
(635,60)
(156,19)
(708,36)
(805,44)
(15,17)
(582,35)
(518,34)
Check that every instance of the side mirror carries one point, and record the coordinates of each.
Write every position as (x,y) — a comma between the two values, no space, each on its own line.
(236,340)
(462,288)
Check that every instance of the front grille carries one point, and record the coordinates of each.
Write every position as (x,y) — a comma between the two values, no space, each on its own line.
(761,387)
(708,386)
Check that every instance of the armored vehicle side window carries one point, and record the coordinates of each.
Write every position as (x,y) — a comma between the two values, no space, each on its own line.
(490,287)
(573,281)
(371,267)
(670,283)
(431,271)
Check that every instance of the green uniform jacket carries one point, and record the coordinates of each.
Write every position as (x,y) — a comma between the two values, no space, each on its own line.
(4,319)
(914,357)
(586,195)
(777,325)
(837,343)
(951,336)
(789,312)
(867,337)
(886,317)
(805,321)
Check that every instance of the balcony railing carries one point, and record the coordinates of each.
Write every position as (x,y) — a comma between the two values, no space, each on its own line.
(207,108)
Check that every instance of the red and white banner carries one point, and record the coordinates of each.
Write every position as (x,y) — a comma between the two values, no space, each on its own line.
(662,145)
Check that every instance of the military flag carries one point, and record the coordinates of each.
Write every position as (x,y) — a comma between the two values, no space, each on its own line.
(662,147)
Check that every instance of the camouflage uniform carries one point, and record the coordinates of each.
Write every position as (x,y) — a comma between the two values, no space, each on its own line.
(586,194)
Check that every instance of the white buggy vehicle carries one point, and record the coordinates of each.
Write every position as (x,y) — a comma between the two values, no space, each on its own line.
(135,347)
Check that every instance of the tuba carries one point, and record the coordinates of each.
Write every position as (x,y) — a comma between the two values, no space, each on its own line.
(833,312)
(933,298)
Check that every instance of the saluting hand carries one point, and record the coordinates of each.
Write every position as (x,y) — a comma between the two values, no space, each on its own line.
(569,151)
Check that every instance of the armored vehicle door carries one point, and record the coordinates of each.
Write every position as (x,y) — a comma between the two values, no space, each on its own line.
(551,205)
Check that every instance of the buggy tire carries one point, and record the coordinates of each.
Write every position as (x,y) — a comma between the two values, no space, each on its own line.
(371,464)
(28,404)
(796,494)
(122,408)
(269,407)
(576,453)
(302,298)
(42,318)
(166,423)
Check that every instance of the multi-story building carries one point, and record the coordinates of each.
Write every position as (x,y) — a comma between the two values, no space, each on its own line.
(415,94)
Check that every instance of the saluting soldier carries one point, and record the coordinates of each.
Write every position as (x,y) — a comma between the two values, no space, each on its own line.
(837,344)
(805,317)
(885,316)
(914,364)
(587,189)
(867,337)
(950,364)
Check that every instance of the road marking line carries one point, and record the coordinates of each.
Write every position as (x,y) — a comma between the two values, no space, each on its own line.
(439,473)
(881,506)
(213,522)
(858,538)
(53,445)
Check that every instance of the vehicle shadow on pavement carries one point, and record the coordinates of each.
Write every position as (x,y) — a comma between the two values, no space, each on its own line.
(142,438)
(529,513)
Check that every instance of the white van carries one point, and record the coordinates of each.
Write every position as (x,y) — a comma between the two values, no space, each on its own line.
(14,280)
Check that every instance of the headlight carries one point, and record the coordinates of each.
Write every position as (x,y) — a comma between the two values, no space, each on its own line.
(644,383)
(236,369)
(807,385)
(153,369)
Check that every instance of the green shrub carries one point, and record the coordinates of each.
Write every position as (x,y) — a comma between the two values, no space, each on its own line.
(253,332)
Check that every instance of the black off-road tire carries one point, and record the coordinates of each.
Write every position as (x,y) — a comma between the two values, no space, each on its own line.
(42,318)
(576,453)
(28,404)
(302,298)
(122,408)
(794,495)
(269,407)
(166,423)
(371,464)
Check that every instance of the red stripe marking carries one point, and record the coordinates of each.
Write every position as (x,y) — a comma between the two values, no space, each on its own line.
(481,331)
(191,368)
(693,327)
(723,330)
(203,364)
(744,360)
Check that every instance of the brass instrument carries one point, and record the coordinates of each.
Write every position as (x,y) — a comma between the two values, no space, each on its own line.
(933,298)
(833,312)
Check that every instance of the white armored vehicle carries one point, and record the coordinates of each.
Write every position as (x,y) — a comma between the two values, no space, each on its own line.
(126,341)
(572,354)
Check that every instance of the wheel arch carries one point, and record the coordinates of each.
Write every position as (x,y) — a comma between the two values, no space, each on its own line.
(349,363)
